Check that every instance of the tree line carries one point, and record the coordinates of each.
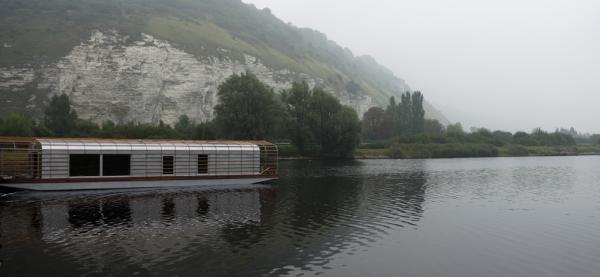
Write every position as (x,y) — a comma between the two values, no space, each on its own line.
(310,119)
(454,133)
(405,122)
(313,120)
(405,117)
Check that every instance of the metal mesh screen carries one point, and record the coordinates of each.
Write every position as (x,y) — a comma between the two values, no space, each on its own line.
(20,158)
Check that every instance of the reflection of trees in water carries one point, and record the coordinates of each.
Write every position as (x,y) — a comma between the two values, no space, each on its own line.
(81,214)
(168,208)
(406,193)
(146,231)
(18,223)
(203,206)
(338,210)
(316,210)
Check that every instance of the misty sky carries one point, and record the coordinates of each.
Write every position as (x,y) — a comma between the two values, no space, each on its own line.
(510,64)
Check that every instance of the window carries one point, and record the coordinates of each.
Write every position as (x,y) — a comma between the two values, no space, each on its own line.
(84,165)
(116,165)
(168,165)
(202,164)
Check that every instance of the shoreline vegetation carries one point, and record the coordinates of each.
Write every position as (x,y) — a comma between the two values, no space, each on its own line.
(312,123)
(431,151)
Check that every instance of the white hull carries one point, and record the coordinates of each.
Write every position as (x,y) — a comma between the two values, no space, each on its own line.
(133,184)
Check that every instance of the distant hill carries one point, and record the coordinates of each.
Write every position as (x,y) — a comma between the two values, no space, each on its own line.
(151,60)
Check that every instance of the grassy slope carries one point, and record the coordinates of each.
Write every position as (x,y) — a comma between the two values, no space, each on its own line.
(204,38)
(43,31)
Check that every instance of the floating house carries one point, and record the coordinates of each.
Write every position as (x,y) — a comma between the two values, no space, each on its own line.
(77,164)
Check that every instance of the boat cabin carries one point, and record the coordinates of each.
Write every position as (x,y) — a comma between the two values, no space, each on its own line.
(70,161)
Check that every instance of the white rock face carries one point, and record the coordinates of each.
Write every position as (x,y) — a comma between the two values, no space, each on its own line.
(15,78)
(111,77)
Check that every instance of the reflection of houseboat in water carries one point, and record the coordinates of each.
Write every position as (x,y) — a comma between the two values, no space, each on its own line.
(74,164)
(144,229)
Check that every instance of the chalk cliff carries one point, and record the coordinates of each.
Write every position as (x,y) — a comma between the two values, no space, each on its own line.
(168,64)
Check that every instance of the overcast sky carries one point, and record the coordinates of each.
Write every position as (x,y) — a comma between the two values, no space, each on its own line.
(509,64)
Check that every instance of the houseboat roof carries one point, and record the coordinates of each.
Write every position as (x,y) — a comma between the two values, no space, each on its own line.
(127,144)
(131,141)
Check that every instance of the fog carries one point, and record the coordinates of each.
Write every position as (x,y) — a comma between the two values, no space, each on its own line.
(511,65)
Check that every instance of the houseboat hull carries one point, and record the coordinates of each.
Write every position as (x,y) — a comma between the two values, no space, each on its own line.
(57,185)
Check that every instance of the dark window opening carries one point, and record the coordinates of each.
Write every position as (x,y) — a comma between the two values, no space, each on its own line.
(202,164)
(84,165)
(168,165)
(116,165)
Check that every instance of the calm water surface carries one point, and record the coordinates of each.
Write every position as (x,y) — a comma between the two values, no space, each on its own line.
(459,217)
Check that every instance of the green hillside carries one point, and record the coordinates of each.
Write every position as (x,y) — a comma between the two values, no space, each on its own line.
(37,33)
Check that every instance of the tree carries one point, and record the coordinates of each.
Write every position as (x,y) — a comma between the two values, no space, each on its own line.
(185,127)
(348,126)
(85,128)
(319,124)
(60,118)
(503,137)
(374,124)
(432,127)
(417,113)
(204,131)
(323,108)
(247,108)
(523,139)
(297,103)
(455,129)
(406,114)
(18,125)
(336,129)
(393,117)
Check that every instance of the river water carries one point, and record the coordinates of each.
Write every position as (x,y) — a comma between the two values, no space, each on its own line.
(449,217)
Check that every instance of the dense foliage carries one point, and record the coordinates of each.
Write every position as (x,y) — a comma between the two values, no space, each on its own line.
(403,132)
(318,123)
(406,117)
(498,138)
(60,118)
(247,109)
(313,120)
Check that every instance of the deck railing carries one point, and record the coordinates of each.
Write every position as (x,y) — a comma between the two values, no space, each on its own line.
(20,158)
(268,159)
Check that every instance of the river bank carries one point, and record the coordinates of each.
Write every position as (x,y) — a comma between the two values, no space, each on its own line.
(436,151)
(425,151)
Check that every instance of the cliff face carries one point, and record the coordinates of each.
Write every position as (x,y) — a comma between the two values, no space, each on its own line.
(152,60)
(112,77)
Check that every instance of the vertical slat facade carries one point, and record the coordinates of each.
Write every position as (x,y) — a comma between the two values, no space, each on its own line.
(146,157)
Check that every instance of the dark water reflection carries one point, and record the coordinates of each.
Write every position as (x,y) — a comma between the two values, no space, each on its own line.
(463,217)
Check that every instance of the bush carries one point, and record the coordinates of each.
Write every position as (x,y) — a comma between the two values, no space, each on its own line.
(287,150)
(395,152)
(375,145)
(424,151)
(516,151)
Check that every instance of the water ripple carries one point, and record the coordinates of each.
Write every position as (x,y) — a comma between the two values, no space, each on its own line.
(463,217)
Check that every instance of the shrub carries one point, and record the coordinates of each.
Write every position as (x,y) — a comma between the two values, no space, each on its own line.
(516,151)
